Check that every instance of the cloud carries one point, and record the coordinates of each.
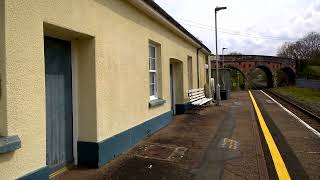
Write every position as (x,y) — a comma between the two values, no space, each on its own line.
(293,20)
(308,15)
(250,27)
(317,7)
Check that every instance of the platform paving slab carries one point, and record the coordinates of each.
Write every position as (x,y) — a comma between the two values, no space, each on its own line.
(215,143)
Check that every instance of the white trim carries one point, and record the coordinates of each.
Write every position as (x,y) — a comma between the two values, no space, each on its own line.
(293,115)
(74,69)
(155,96)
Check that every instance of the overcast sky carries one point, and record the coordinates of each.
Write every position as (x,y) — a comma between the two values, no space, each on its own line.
(247,26)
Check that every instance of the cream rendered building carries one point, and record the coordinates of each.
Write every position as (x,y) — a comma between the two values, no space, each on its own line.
(84,80)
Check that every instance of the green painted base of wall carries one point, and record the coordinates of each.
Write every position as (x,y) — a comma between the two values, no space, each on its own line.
(182,108)
(95,155)
(40,174)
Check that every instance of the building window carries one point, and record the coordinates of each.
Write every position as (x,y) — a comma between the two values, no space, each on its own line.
(153,74)
(190,77)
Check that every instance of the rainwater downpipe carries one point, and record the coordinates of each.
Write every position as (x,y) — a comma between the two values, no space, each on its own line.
(198,49)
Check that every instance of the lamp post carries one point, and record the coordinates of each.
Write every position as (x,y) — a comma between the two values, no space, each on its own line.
(238,80)
(223,78)
(218,101)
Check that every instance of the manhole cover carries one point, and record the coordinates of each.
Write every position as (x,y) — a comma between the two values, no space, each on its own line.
(227,143)
(161,152)
(178,154)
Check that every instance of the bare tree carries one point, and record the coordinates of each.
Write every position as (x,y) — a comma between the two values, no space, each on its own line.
(306,48)
(235,53)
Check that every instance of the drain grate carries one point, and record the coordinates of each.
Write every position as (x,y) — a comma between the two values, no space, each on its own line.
(160,152)
(178,154)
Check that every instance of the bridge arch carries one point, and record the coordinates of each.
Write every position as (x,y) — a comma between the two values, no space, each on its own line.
(243,80)
(285,76)
(268,73)
(236,68)
(270,65)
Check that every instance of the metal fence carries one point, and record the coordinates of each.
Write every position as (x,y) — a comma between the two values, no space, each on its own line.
(308,83)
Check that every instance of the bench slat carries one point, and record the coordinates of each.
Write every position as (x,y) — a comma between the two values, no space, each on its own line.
(192,100)
(195,90)
(195,93)
(197,97)
(205,101)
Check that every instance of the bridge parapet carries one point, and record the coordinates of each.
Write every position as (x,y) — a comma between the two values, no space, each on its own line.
(257,58)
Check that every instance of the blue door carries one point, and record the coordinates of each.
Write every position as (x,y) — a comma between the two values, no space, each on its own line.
(59,124)
(172,93)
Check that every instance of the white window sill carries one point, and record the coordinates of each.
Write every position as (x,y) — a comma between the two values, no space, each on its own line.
(156,102)
(9,144)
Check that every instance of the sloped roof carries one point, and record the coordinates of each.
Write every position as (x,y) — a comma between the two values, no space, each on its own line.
(163,13)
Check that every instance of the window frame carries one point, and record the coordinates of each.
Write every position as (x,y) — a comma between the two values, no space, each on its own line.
(155,71)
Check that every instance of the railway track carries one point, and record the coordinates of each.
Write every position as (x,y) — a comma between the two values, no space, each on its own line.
(309,117)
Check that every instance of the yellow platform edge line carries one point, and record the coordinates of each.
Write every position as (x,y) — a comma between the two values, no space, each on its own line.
(60,171)
(275,154)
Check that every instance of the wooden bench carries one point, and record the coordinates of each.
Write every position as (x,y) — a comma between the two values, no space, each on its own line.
(197,97)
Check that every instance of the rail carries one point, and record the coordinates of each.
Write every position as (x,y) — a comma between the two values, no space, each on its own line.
(302,109)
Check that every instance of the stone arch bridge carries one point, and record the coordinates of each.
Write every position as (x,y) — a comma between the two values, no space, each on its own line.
(271,65)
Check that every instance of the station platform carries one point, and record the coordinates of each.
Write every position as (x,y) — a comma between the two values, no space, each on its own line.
(297,141)
(225,142)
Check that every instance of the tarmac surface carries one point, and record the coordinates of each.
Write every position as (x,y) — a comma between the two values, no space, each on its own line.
(223,142)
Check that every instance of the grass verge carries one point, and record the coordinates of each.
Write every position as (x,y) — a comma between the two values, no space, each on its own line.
(302,94)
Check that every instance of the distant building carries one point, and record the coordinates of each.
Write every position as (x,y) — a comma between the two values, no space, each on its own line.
(84,80)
